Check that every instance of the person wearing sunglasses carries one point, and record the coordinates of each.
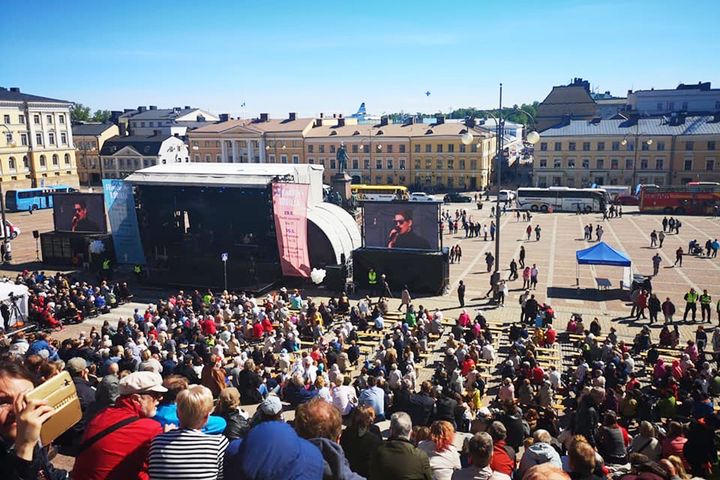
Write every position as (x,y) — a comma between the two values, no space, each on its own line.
(80,221)
(402,235)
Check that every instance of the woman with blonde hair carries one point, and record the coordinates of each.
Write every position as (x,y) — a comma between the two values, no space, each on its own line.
(444,457)
(679,467)
(228,408)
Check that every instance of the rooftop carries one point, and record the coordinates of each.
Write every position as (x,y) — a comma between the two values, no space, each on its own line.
(91,129)
(692,125)
(146,145)
(13,94)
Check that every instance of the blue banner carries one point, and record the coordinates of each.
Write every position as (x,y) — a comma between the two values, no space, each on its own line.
(120,206)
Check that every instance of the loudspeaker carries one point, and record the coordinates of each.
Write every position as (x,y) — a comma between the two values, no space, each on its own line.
(36,234)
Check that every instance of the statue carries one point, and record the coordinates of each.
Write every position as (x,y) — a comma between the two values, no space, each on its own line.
(342,158)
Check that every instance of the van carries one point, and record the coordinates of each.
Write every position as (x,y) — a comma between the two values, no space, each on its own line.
(506,195)
(420,197)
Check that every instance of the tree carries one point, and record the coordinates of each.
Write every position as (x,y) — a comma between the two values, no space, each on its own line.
(101,116)
(80,113)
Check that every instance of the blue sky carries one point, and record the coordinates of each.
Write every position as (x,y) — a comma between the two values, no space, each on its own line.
(321,56)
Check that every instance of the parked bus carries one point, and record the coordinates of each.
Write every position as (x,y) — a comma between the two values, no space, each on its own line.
(379,193)
(614,191)
(561,199)
(33,198)
(695,198)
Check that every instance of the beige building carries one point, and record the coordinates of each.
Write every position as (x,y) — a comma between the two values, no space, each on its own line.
(566,101)
(411,154)
(36,147)
(662,151)
(89,139)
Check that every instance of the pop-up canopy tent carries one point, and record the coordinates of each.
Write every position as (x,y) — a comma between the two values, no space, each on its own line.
(603,254)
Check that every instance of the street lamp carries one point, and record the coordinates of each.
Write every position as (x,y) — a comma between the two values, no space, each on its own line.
(6,242)
(636,146)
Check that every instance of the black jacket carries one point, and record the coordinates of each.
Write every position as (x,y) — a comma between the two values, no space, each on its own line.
(359,447)
(237,426)
(14,468)
(420,408)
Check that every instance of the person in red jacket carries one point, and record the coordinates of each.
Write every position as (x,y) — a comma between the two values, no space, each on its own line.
(503,457)
(117,440)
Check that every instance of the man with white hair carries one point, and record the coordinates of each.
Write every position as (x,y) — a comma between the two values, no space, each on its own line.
(398,458)
(539,452)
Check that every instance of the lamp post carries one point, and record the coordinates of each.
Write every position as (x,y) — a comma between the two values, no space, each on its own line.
(636,147)
(5,241)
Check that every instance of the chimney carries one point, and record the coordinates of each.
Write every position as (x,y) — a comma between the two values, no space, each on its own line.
(470,122)
(188,107)
(566,119)
(439,119)
(153,107)
(142,109)
(224,117)
(322,115)
(409,120)
(263,117)
(15,89)
(200,118)
(176,109)
(341,122)
(292,116)
(383,120)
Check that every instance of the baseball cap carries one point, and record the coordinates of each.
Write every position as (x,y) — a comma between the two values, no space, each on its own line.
(76,365)
(271,406)
(141,382)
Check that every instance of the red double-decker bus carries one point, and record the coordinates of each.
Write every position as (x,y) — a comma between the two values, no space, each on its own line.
(695,198)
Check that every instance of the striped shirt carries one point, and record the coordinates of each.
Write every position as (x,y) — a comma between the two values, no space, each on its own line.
(186,453)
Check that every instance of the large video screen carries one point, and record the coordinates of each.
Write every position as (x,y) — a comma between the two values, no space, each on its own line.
(79,212)
(401,225)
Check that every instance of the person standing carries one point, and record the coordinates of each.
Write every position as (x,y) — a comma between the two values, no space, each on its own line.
(528,230)
(654,308)
(678,224)
(691,299)
(705,302)
(661,238)
(642,303)
(653,238)
(385,287)
(668,309)
(678,256)
(526,277)
(513,270)
(522,256)
(665,224)
(656,259)
(372,281)
(461,293)
(537,233)
(534,276)
(405,298)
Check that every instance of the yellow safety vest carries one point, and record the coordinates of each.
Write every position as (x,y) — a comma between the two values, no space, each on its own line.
(372,278)
(106,264)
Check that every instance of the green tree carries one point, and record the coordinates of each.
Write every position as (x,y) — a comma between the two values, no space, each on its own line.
(101,116)
(80,113)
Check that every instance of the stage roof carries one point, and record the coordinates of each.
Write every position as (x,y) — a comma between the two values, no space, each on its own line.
(339,227)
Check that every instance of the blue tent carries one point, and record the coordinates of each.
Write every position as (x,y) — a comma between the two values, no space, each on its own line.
(602,254)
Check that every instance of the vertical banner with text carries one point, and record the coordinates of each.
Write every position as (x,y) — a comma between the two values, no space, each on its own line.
(120,206)
(290,211)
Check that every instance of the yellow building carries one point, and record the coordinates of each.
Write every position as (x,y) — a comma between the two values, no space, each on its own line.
(36,147)
(89,139)
(619,151)
(412,154)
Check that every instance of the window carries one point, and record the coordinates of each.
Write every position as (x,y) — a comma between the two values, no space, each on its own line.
(571,146)
(61,118)
(36,119)
(283,158)
(428,164)
(557,163)
(333,163)
(390,180)
(439,148)
(142,124)
(644,163)
(402,163)
(23,139)
(571,163)
(543,163)
(389,163)
(428,148)
(417,164)
(417,148)
(462,148)
(660,146)
(207,157)
(451,164)
(355,164)
(558,146)
(366,164)
(21,118)
(451,148)
(296,159)
(628,164)
(49,119)
(389,149)
(38,138)
(659,106)
(473,164)
(615,146)
(711,145)
(688,165)
(645,146)
(332,148)
(63,138)
(67,159)
(366,148)
(402,148)
(601,146)
(311,148)
(11,163)
(8,138)
(51,138)
(43,162)
(6,119)
(26,162)
(354,149)
(378,163)
(272,158)
(378,180)
(659,164)
(218,158)
(462,164)
(438,164)
(543,146)
(689,146)
(586,146)
(630,146)
(152,124)
(684,106)
(321,148)
(600,163)
(709,165)
(671,106)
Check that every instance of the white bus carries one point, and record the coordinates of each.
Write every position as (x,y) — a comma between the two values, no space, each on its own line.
(561,199)
(614,191)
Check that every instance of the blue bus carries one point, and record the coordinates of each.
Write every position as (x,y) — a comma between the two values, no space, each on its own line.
(33,198)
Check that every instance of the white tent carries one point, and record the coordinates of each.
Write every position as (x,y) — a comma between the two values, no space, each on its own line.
(20,294)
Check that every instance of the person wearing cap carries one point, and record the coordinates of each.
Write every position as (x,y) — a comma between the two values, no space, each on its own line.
(117,439)
(270,410)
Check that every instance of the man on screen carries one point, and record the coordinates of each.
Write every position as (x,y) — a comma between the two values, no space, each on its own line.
(402,234)
(80,221)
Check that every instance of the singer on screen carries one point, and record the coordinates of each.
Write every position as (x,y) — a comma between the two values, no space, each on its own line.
(80,220)
(402,234)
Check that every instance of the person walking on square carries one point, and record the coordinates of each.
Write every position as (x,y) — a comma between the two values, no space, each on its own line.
(461,293)
(668,309)
(537,233)
(678,256)
(405,298)
(661,238)
(678,224)
(489,260)
(654,308)
(691,299)
(653,238)
(528,230)
(492,231)
(665,223)
(534,276)
(599,232)
(513,270)
(642,303)
(521,259)
(458,253)
(705,302)
(656,259)
(671,225)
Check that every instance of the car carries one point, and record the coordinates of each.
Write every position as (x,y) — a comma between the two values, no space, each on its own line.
(506,195)
(420,197)
(627,200)
(454,197)
(11,230)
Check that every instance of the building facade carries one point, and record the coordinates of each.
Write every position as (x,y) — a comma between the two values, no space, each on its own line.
(150,120)
(36,146)
(566,101)
(693,98)
(413,154)
(662,151)
(89,139)
(122,155)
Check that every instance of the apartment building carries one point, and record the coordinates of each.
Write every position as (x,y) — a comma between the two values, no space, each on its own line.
(122,155)
(89,139)
(627,151)
(150,120)
(36,147)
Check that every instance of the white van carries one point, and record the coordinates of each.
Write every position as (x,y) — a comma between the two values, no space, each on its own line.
(420,197)
(506,195)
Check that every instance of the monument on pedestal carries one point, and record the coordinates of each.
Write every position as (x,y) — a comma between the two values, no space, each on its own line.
(341,180)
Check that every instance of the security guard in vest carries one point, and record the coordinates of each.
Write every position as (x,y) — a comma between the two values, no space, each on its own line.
(106,265)
(691,299)
(372,281)
(137,269)
(705,302)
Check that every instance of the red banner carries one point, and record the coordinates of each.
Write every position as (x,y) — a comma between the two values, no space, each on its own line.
(290,211)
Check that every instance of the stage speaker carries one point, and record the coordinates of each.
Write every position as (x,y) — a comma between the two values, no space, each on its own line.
(36,234)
